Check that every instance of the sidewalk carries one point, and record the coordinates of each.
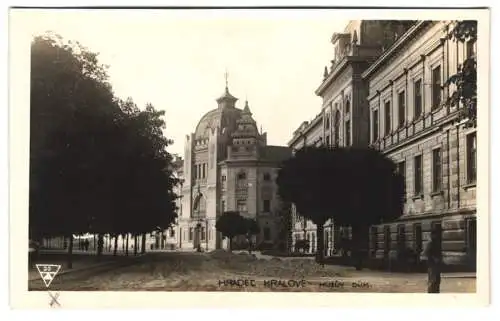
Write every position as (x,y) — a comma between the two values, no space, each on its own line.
(372,273)
(33,273)
(82,260)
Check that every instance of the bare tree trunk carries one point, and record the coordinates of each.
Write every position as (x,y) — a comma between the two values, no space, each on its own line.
(135,245)
(359,244)
(143,245)
(230,244)
(126,246)
(320,249)
(100,244)
(70,252)
(249,240)
(116,245)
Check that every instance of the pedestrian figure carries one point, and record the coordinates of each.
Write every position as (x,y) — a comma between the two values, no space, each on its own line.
(433,254)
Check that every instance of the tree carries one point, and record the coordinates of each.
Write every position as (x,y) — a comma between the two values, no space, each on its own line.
(231,224)
(464,95)
(285,225)
(354,186)
(252,228)
(97,163)
(71,103)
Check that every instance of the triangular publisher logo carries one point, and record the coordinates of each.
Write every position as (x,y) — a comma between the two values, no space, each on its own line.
(48,272)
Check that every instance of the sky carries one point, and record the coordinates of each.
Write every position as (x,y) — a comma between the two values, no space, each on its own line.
(177,60)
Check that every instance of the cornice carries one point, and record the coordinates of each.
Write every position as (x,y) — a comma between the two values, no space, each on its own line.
(408,36)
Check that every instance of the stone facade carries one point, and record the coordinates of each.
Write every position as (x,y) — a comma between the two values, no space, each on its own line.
(344,116)
(228,166)
(385,90)
(424,137)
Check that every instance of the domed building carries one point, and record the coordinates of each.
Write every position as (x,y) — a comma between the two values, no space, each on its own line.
(227,166)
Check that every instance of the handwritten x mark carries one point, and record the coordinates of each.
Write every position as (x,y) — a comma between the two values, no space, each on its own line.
(54,299)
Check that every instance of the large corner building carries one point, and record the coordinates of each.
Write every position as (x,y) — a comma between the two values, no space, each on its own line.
(386,89)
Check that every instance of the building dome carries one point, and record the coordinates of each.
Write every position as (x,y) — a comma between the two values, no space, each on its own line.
(217,118)
(224,117)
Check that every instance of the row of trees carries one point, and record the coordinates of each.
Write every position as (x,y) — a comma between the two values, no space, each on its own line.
(98,164)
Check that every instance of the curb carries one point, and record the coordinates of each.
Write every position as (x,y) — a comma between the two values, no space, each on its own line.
(459,277)
(38,277)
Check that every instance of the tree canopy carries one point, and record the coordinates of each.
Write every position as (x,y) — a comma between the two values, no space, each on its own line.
(355,187)
(464,94)
(98,164)
(231,224)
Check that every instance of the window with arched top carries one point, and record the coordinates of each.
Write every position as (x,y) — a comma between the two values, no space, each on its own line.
(327,121)
(348,106)
(337,128)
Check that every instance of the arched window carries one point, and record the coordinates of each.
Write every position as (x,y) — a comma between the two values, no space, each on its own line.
(327,121)
(337,128)
(347,107)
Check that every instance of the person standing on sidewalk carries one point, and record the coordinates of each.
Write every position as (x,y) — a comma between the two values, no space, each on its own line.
(433,254)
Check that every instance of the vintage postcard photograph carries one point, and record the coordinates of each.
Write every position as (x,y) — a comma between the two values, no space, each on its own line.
(248,157)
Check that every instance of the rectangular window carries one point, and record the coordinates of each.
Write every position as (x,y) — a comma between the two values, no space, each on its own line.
(203,171)
(401,237)
(418,179)
(374,240)
(203,233)
(402,108)
(470,48)
(241,205)
(267,206)
(436,87)
(348,133)
(267,234)
(471,234)
(375,125)
(402,171)
(191,232)
(388,117)
(436,170)
(387,239)
(417,236)
(417,96)
(222,206)
(471,158)
(439,228)
(327,140)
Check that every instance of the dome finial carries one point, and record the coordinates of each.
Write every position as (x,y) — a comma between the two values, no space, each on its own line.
(226,76)
(246,109)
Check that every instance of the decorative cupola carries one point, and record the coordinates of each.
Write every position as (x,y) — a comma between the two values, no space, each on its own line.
(246,125)
(226,100)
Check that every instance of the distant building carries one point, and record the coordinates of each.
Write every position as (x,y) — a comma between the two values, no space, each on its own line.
(228,166)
